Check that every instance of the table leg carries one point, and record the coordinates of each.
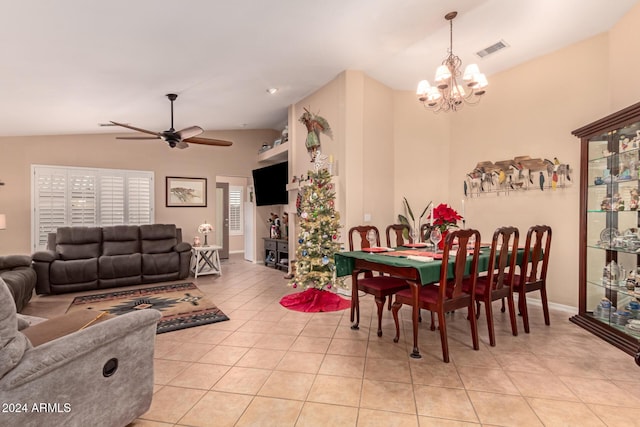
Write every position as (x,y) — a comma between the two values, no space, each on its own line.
(415,292)
(195,274)
(217,262)
(355,303)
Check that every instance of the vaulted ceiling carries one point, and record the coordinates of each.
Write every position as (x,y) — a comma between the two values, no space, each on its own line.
(68,65)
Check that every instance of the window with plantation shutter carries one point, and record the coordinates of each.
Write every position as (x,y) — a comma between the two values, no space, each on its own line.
(82,198)
(50,203)
(112,196)
(71,196)
(235,210)
(140,204)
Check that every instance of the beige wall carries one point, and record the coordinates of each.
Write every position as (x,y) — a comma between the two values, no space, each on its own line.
(103,151)
(624,60)
(531,110)
(421,155)
(360,112)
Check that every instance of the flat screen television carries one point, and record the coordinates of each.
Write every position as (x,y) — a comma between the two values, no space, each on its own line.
(270,184)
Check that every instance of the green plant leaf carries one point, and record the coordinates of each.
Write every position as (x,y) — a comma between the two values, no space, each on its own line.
(403,220)
(425,209)
(409,211)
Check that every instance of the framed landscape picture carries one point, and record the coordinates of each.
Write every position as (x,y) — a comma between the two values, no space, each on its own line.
(186,192)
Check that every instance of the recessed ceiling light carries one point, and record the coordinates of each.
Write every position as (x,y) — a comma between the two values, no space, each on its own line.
(272,90)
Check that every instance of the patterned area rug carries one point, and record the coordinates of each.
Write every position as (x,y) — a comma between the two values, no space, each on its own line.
(182,305)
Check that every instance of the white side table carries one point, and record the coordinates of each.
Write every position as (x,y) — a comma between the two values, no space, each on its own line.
(205,260)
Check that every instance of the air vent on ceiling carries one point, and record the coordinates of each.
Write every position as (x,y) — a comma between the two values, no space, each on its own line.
(492,49)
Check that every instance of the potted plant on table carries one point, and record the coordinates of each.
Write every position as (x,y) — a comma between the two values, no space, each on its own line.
(444,217)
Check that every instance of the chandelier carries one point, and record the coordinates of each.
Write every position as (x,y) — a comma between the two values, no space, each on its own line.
(450,93)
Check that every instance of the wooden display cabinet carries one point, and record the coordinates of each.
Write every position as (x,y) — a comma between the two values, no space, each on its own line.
(609,250)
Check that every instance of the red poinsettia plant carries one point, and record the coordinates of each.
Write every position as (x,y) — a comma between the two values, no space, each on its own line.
(445,217)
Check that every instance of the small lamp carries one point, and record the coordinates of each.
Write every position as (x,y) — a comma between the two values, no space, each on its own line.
(3,221)
(205,229)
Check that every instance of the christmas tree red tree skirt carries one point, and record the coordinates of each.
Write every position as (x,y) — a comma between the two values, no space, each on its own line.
(314,300)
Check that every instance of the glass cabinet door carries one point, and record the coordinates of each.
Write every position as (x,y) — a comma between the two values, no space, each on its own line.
(612,233)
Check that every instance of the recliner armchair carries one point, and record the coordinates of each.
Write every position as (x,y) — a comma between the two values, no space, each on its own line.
(101,375)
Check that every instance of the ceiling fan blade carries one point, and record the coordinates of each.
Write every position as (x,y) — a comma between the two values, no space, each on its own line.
(189,132)
(150,132)
(209,141)
(138,137)
(181,145)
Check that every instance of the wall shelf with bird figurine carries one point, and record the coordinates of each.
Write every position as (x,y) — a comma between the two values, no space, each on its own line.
(521,173)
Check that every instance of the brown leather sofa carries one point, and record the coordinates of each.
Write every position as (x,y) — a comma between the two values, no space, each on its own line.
(20,278)
(88,258)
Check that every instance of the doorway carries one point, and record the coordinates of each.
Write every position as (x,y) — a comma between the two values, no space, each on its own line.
(222,218)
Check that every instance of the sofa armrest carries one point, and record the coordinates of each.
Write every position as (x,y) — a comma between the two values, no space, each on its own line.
(41,264)
(182,247)
(9,262)
(44,256)
(53,355)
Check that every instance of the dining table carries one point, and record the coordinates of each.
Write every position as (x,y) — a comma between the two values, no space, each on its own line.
(416,266)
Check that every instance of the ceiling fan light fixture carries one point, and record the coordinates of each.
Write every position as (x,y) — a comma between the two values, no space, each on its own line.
(175,138)
(272,90)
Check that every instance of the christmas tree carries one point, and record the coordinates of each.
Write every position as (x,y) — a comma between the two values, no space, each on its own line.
(319,233)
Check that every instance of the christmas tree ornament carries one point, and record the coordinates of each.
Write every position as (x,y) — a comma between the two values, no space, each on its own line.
(305,253)
(301,240)
(325,260)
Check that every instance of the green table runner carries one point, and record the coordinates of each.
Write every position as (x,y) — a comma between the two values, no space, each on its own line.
(429,271)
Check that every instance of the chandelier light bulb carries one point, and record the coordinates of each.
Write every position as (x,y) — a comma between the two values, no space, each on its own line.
(448,92)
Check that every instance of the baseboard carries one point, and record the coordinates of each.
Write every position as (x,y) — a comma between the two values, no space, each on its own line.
(237,252)
(552,305)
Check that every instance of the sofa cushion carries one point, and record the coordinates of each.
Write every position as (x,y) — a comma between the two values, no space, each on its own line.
(111,267)
(74,243)
(74,271)
(120,240)
(13,344)
(154,264)
(158,238)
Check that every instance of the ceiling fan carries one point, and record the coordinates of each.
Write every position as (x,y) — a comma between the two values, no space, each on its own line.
(175,138)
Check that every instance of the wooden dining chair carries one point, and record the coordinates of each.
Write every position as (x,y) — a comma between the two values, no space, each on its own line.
(399,233)
(379,286)
(498,283)
(448,294)
(533,271)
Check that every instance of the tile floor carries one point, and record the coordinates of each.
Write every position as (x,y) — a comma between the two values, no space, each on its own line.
(269,366)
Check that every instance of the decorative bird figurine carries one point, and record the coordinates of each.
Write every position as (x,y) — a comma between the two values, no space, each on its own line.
(502,177)
(541,181)
(315,125)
